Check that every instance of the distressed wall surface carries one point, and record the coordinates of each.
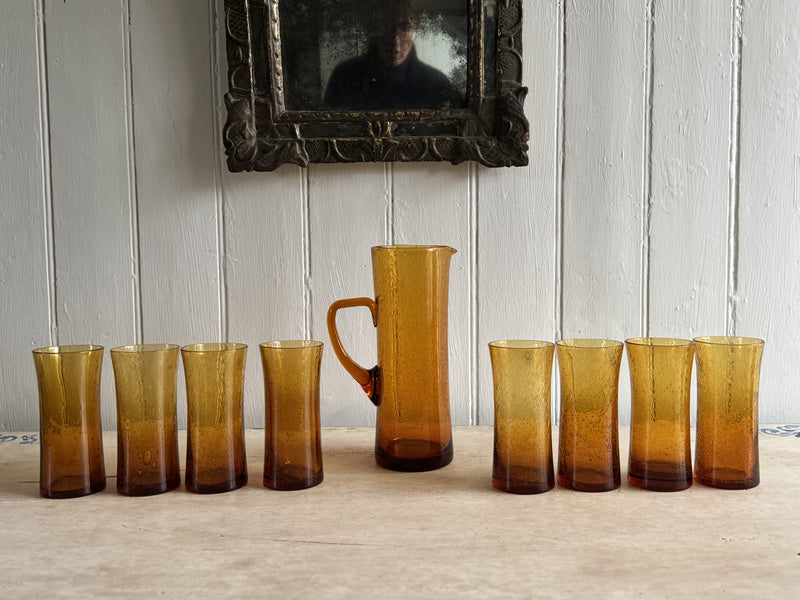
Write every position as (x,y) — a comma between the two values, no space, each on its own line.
(661,199)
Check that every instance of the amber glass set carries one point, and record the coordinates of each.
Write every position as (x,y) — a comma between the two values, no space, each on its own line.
(147,445)
(410,387)
(726,453)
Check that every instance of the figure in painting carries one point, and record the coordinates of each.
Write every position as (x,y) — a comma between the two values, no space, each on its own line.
(389,75)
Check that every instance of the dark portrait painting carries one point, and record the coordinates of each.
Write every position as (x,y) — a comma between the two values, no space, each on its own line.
(345,81)
(353,55)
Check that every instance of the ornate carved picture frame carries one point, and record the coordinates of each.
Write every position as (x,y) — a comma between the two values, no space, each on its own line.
(279,110)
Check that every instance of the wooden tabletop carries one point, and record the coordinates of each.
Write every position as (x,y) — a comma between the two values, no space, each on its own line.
(369,532)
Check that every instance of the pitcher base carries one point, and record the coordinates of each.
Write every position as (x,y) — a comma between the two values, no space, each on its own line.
(413,455)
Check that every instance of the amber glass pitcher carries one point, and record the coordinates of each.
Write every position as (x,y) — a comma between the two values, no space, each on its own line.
(410,383)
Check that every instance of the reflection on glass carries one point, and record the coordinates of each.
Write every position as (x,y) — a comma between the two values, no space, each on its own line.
(389,54)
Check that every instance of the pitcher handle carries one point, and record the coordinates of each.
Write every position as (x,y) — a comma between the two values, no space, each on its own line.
(368,379)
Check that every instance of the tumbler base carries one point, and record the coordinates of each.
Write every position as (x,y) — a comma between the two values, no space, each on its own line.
(297,481)
(148,490)
(522,479)
(522,488)
(591,483)
(63,488)
(218,487)
(727,479)
(656,476)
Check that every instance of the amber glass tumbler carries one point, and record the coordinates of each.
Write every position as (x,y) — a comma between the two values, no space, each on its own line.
(293,450)
(588,447)
(145,377)
(660,456)
(728,370)
(215,451)
(71,434)
(523,448)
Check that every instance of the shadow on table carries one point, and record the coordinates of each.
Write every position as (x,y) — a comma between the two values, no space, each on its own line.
(19,489)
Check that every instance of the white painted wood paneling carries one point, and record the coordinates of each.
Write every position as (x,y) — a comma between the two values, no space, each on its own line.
(603,121)
(432,206)
(265,274)
(686,214)
(179,193)
(348,207)
(687,231)
(24,211)
(516,214)
(89,167)
(265,226)
(662,198)
(766,298)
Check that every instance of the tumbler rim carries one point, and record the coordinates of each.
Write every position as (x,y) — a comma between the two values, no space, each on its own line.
(414,247)
(68,349)
(666,342)
(214,347)
(290,344)
(134,348)
(520,344)
(589,343)
(728,340)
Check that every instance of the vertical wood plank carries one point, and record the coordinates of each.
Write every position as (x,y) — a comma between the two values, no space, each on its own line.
(431,206)
(603,121)
(516,218)
(264,234)
(24,303)
(767,298)
(91,218)
(176,170)
(690,168)
(264,248)
(348,205)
